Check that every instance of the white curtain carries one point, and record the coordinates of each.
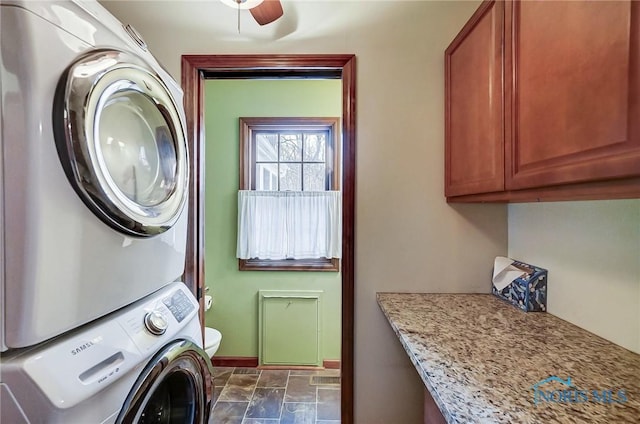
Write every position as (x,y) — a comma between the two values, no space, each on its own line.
(289,224)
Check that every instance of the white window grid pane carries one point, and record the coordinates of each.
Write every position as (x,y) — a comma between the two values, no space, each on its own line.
(266,147)
(290,177)
(267,176)
(290,147)
(301,150)
(314,147)
(314,177)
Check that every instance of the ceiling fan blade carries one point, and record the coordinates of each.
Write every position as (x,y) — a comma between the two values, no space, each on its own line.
(267,11)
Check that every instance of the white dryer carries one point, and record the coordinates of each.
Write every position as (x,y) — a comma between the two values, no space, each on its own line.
(94,169)
(141,364)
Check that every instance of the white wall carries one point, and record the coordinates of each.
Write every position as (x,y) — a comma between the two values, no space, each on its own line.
(407,238)
(592,252)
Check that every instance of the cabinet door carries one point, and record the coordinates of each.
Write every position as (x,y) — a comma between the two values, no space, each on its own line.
(474,136)
(573,90)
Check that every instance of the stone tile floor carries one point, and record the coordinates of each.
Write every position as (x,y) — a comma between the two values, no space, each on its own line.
(253,396)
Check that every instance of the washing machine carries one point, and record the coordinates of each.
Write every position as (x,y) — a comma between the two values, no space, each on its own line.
(141,364)
(93,172)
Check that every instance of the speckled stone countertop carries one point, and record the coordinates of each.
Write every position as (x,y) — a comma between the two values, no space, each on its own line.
(482,359)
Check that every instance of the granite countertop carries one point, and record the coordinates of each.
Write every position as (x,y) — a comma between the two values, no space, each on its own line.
(485,361)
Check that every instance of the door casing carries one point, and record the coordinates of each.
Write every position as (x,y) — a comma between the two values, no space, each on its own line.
(194,70)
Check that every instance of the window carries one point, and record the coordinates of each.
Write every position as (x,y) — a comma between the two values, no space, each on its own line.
(290,155)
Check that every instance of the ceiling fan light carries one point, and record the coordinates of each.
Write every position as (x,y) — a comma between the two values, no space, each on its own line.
(242,4)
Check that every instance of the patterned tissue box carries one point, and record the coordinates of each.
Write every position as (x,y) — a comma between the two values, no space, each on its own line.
(527,292)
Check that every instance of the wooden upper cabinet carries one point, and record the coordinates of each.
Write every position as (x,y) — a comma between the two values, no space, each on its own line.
(573,88)
(565,124)
(474,148)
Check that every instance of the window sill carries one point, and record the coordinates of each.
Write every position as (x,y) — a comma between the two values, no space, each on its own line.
(320,264)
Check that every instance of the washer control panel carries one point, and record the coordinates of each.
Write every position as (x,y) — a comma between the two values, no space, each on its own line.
(97,354)
(179,305)
(160,317)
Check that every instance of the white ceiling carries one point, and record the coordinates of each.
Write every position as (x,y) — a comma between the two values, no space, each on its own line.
(302,18)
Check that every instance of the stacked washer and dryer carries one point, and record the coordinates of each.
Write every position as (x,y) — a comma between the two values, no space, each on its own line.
(95,327)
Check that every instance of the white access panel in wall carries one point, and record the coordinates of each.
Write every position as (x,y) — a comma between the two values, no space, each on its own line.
(289,324)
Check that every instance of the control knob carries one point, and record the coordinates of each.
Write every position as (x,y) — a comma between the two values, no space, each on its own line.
(155,323)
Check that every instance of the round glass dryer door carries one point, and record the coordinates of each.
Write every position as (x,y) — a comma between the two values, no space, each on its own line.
(121,142)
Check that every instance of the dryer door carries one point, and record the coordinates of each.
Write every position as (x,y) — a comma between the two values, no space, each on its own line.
(176,387)
(121,140)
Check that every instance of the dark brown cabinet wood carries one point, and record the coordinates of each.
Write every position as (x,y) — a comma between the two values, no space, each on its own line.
(474,66)
(431,411)
(566,123)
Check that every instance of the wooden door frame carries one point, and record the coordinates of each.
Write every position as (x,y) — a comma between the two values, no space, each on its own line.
(194,68)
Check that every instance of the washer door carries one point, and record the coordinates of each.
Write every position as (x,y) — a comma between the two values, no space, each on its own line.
(121,141)
(175,388)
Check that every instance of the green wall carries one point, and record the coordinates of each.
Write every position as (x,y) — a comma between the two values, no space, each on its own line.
(235,293)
